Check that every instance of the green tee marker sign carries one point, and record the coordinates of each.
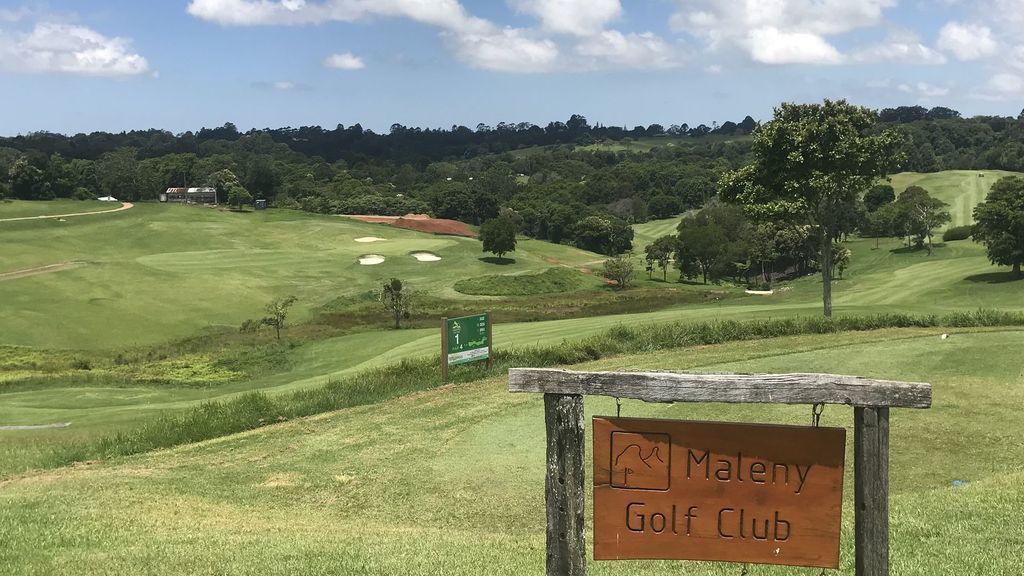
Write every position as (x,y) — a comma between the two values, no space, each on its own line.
(466,339)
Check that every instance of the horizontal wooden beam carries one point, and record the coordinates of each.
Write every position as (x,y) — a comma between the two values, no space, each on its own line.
(728,388)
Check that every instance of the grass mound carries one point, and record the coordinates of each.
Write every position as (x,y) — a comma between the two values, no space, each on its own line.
(551,281)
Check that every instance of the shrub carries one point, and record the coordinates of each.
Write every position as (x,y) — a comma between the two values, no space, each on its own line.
(957,233)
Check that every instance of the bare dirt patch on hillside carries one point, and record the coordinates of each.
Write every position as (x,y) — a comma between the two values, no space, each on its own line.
(420,223)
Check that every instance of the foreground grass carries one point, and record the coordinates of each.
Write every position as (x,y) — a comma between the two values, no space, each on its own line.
(450,481)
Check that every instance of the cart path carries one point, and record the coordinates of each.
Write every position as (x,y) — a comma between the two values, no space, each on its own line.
(40,270)
(124,206)
(37,426)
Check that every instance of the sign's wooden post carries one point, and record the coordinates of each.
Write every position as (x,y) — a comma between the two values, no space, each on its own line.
(563,402)
(563,485)
(871,487)
(444,349)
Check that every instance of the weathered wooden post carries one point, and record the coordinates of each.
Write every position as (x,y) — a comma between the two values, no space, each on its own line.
(871,490)
(563,404)
(563,485)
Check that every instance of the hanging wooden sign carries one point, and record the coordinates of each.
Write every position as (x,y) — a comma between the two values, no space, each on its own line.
(751,493)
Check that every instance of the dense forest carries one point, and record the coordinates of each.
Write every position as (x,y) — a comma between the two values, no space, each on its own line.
(569,182)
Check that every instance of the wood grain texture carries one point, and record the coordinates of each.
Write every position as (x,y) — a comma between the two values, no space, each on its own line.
(566,542)
(728,388)
(871,490)
(718,491)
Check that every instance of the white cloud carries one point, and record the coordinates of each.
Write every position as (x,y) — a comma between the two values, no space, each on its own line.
(628,50)
(1006,84)
(901,46)
(773,46)
(69,49)
(578,17)
(507,50)
(777,31)
(967,41)
(475,41)
(1015,57)
(448,14)
(345,61)
(283,85)
(923,89)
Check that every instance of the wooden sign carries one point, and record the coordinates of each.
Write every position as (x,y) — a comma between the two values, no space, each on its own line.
(759,494)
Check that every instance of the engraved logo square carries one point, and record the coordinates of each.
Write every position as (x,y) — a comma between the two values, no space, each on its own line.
(640,461)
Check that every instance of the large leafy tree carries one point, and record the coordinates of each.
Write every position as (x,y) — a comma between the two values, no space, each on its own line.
(714,239)
(811,164)
(1000,223)
(499,236)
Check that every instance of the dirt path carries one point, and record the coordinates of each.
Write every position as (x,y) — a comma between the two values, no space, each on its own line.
(124,206)
(37,426)
(40,270)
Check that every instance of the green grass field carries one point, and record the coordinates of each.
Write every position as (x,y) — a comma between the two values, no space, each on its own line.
(451,481)
(253,264)
(159,272)
(961,189)
(23,208)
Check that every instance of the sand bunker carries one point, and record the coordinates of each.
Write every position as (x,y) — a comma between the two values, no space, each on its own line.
(366,239)
(425,256)
(371,259)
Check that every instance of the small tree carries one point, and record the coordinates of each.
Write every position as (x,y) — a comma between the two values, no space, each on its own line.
(499,236)
(278,313)
(659,253)
(841,257)
(923,213)
(238,196)
(763,249)
(619,269)
(714,238)
(879,195)
(1000,223)
(881,222)
(396,299)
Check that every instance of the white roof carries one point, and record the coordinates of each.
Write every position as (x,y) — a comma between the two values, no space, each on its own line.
(107,199)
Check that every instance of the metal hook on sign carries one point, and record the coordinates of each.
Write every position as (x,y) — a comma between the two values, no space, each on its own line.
(618,407)
(816,411)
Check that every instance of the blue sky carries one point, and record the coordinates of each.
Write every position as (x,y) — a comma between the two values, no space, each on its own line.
(72,66)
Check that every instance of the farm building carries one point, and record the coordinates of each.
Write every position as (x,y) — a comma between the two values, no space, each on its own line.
(205,195)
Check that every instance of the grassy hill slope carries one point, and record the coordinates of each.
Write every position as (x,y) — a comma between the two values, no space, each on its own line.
(159,272)
(451,481)
(961,189)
